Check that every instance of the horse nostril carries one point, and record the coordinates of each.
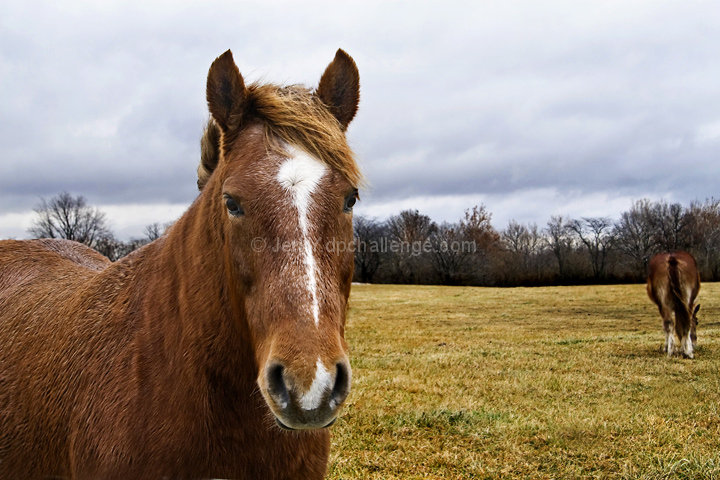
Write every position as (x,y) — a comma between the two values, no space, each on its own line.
(276,385)
(342,385)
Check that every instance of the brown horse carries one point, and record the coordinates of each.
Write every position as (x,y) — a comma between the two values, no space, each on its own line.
(217,350)
(673,284)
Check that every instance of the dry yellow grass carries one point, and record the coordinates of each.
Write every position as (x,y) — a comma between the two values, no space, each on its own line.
(557,382)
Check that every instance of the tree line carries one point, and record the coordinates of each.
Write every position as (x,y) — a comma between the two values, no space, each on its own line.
(411,248)
(563,251)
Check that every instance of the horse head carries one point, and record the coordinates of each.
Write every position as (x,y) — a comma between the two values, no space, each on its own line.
(282,181)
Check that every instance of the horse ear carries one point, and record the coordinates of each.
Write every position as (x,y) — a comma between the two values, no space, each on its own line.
(697,307)
(339,88)
(226,92)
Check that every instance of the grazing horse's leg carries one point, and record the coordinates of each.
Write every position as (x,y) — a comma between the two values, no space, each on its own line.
(669,342)
(667,326)
(686,342)
(673,339)
(693,336)
(688,347)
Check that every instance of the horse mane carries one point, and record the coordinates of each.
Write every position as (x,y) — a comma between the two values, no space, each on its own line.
(209,152)
(294,115)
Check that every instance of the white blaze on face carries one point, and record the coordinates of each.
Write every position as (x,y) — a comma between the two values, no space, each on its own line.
(300,175)
(321,383)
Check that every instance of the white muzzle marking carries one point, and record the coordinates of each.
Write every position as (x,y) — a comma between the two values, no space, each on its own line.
(322,382)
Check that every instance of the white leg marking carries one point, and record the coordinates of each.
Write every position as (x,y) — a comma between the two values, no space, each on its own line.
(671,344)
(688,346)
(322,382)
(300,175)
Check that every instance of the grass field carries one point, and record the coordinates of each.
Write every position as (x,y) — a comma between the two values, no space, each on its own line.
(557,382)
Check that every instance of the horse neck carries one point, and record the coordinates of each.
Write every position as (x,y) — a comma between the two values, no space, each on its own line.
(190,291)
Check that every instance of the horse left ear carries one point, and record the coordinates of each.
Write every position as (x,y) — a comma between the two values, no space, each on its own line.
(226,92)
(339,88)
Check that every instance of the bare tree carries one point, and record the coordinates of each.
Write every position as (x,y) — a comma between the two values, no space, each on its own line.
(514,237)
(559,240)
(670,224)
(452,254)
(522,251)
(153,231)
(522,240)
(635,235)
(156,230)
(596,234)
(409,232)
(369,247)
(476,227)
(704,229)
(71,218)
(411,226)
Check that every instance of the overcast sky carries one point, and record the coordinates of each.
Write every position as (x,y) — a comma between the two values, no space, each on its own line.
(532,108)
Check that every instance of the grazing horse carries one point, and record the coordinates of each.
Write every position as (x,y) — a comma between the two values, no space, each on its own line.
(673,284)
(218,350)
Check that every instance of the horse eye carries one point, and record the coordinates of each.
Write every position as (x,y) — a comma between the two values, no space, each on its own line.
(350,201)
(233,207)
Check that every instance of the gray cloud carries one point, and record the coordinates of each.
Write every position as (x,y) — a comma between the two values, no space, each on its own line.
(486,101)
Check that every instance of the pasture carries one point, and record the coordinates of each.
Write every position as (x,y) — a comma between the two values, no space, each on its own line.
(556,382)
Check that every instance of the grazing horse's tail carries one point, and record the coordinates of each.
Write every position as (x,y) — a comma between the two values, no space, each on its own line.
(677,287)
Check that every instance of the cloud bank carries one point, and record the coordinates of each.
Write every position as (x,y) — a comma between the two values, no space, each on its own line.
(532,108)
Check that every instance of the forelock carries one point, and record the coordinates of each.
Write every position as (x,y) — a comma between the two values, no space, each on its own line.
(294,115)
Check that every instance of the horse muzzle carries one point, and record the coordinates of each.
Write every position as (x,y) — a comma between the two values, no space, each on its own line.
(303,404)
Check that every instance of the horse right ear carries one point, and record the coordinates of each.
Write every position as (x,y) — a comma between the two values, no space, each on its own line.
(226,93)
